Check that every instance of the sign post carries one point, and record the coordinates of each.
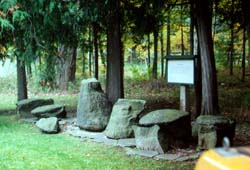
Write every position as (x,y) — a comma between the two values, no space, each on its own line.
(180,70)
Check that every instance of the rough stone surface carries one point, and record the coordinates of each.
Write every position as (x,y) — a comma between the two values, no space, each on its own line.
(163,116)
(168,156)
(77,132)
(145,153)
(212,129)
(124,114)
(129,142)
(48,125)
(54,110)
(93,110)
(190,157)
(174,129)
(25,106)
(148,138)
(29,120)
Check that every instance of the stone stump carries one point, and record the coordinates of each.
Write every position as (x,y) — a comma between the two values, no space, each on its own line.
(24,107)
(124,114)
(161,129)
(93,110)
(212,129)
(53,110)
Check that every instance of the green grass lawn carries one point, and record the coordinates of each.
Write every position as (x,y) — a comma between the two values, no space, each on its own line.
(23,147)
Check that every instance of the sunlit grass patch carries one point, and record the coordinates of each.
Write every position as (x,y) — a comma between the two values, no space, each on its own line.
(23,147)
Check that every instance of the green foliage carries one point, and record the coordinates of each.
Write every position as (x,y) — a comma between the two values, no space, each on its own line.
(19,16)
(5,24)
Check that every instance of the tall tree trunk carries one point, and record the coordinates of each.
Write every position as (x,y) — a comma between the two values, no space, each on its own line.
(182,36)
(248,39)
(154,71)
(194,50)
(102,54)
(21,80)
(114,84)
(95,39)
(192,24)
(162,54)
(90,51)
(133,55)
(29,71)
(210,104)
(83,61)
(149,60)
(168,49)
(244,54)
(66,66)
(231,54)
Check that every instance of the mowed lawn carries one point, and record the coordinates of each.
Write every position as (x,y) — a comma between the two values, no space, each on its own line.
(24,147)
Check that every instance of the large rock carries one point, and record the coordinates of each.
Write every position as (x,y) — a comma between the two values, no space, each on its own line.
(25,106)
(150,138)
(212,129)
(124,114)
(48,125)
(164,116)
(93,110)
(54,110)
(161,129)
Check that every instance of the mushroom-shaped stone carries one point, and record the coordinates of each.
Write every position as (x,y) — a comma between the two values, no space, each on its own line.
(212,129)
(163,116)
(150,138)
(174,129)
(93,110)
(54,110)
(48,125)
(25,106)
(124,114)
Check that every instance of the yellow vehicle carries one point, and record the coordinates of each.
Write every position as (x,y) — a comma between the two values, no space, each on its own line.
(225,159)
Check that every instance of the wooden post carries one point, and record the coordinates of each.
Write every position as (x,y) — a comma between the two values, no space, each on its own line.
(184,98)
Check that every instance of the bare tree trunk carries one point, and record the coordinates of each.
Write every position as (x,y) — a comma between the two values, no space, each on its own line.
(90,51)
(149,60)
(66,66)
(154,71)
(168,49)
(210,104)
(182,36)
(191,29)
(83,61)
(231,54)
(21,80)
(244,54)
(102,54)
(162,54)
(29,71)
(114,84)
(248,39)
(95,39)
(194,45)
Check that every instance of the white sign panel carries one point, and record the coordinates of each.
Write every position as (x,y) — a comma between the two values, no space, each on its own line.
(180,71)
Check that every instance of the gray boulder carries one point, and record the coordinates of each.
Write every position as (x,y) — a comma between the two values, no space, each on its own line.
(124,114)
(212,129)
(150,138)
(48,125)
(54,110)
(93,110)
(173,129)
(164,116)
(25,106)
